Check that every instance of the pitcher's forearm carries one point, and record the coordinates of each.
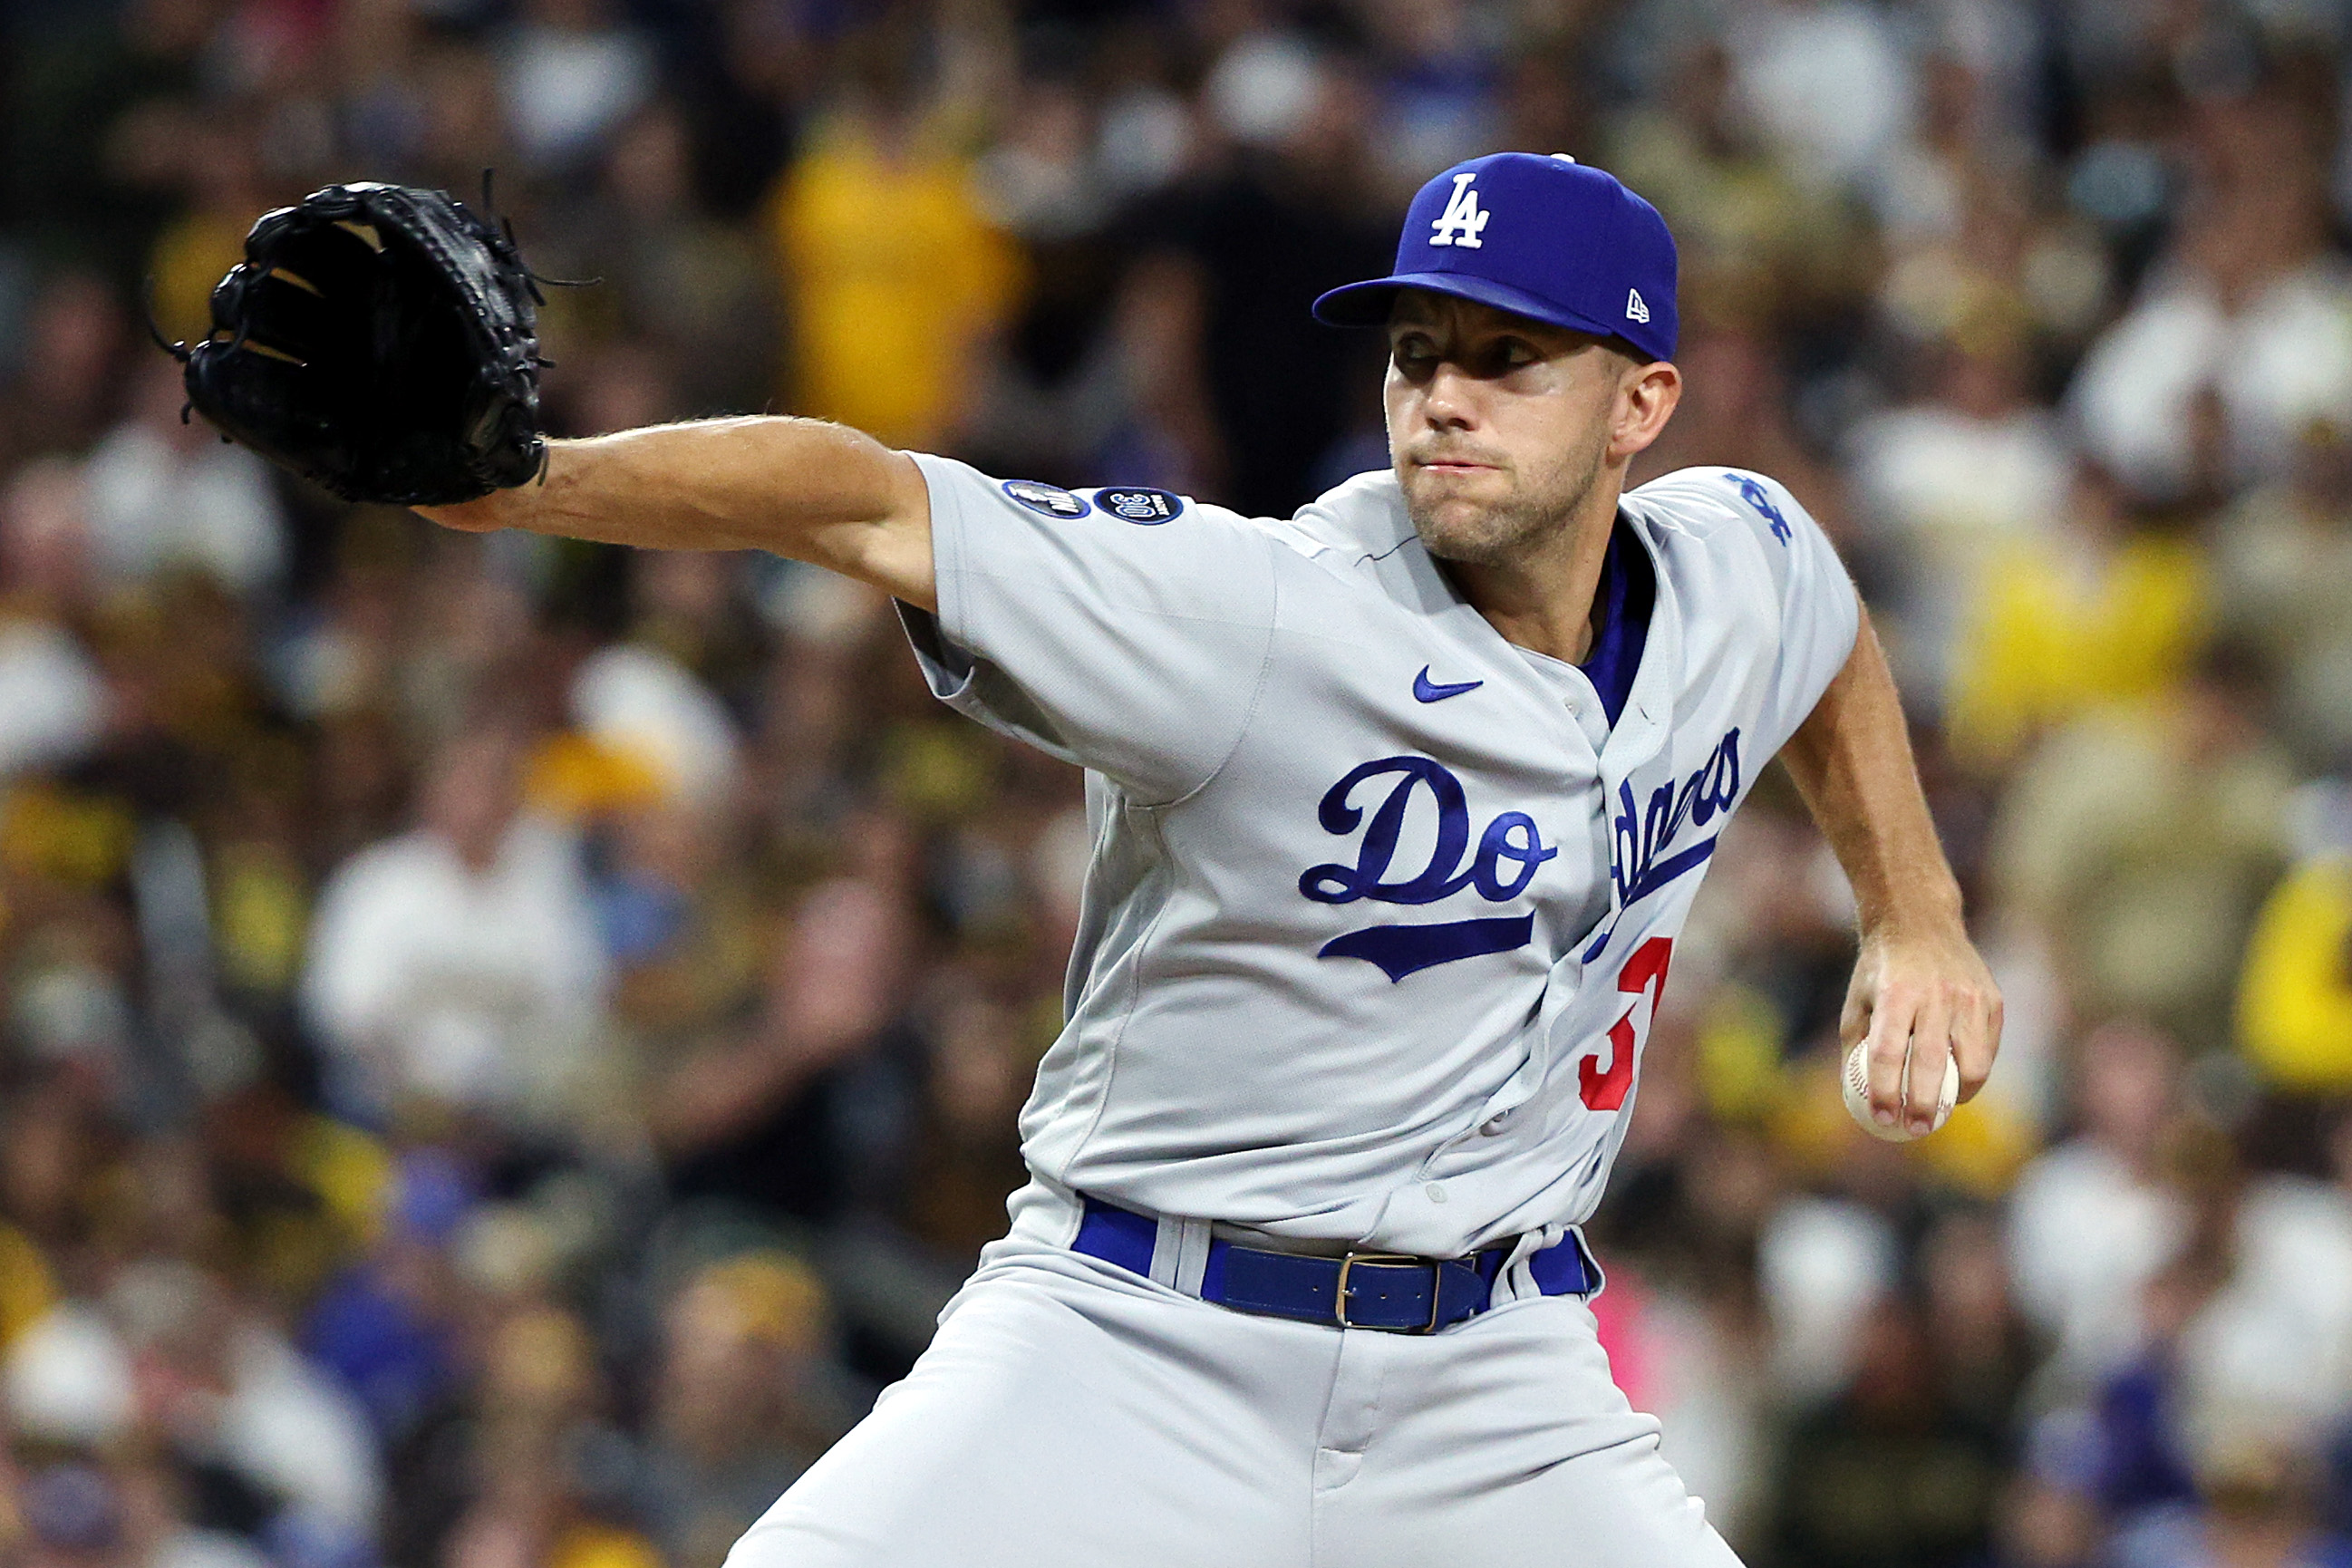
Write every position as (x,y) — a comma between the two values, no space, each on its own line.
(799,487)
(1852,762)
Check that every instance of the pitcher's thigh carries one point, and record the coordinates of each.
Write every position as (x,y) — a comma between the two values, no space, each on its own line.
(1620,1507)
(1033,1435)
(1508,1443)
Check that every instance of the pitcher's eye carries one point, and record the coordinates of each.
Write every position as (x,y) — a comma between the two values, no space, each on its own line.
(1412,354)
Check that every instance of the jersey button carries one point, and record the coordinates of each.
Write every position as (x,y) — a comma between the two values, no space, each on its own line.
(1493,1125)
(1436,1191)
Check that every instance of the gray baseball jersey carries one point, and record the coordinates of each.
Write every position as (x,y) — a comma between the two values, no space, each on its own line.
(1381,904)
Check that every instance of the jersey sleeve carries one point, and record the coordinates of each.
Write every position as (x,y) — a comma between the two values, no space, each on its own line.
(1135,645)
(1821,613)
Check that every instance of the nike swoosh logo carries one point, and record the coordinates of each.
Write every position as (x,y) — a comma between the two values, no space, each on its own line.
(1425,690)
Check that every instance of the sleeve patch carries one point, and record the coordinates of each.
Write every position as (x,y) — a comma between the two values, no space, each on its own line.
(1051,500)
(1148,508)
(1757,496)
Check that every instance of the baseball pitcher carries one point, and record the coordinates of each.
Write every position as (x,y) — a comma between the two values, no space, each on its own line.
(1399,805)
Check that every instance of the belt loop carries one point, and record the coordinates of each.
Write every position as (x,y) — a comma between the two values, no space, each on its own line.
(1191,1255)
(1180,1253)
(1167,1251)
(1594,1280)
(1515,1280)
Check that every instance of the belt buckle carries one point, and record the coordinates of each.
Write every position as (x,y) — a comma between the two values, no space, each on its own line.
(1340,1307)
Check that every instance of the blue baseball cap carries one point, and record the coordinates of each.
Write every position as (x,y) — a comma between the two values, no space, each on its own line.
(1542,237)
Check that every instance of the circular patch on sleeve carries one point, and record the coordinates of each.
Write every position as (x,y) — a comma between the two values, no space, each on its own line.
(1150,508)
(1052,501)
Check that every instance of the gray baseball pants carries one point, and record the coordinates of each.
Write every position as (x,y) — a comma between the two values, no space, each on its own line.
(1071,1414)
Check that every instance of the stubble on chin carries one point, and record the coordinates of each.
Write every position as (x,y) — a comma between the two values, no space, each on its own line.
(1474,533)
(1493,532)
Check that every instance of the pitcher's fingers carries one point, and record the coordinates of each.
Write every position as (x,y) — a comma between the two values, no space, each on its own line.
(1885,1046)
(1931,1048)
(1976,1039)
(1853,1018)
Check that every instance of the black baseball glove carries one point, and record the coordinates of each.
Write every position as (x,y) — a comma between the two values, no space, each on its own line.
(381,340)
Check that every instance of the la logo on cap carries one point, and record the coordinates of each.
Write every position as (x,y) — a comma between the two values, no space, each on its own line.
(1462,222)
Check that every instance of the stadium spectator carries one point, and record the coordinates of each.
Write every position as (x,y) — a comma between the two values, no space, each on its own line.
(745,1402)
(1888,1470)
(2104,611)
(457,966)
(2140,842)
(1970,477)
(2295,999)
(163,496)
(53,699)
(2249,301)
(893,277)
(1234,263)
(2092,1221)
(2280,583)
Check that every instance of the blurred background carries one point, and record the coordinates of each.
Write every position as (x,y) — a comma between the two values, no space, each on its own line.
(505,1046)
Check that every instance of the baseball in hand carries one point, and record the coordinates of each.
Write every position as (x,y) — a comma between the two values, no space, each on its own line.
(1857,1098)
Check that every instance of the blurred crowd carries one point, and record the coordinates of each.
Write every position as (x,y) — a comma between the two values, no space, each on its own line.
(504,1044)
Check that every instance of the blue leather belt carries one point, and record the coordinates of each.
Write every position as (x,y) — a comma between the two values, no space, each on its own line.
(1390,1291)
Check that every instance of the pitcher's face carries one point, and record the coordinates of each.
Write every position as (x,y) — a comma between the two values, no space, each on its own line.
(1500,426)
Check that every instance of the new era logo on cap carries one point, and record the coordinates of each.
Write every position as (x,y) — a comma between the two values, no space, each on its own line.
(1541,236)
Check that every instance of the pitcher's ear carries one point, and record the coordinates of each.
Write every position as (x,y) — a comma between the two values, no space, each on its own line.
(1652,392)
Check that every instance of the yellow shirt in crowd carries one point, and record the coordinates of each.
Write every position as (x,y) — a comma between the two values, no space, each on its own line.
(2046,643)
(2295,1003)
(890,275)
